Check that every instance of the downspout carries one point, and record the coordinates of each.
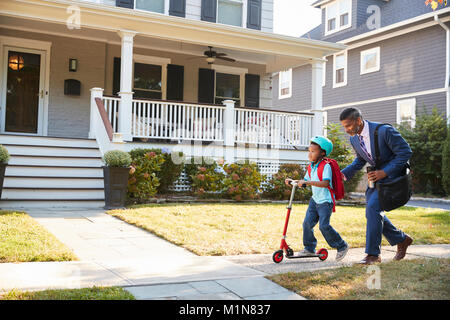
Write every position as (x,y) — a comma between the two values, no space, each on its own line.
(447,64)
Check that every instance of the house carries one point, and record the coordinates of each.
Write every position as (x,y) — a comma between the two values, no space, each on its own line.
(396,61)
(79,78)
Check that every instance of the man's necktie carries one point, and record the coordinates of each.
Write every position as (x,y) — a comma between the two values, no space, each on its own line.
(363,147)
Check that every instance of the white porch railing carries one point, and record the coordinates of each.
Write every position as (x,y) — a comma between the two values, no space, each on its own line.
(177,121)
(276,128)
(156,119)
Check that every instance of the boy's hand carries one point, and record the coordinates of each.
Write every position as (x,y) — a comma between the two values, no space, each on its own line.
(288,182)
(301,183)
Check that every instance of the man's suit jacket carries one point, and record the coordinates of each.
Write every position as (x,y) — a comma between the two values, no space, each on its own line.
(394,152)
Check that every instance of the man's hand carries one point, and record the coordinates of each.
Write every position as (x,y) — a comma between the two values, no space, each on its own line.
(376,175)
(343,177)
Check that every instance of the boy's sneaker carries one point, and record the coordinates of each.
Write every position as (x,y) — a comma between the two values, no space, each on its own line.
(305,253)
(341,254)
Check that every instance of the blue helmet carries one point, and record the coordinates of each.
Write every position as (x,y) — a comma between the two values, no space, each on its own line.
(324,143)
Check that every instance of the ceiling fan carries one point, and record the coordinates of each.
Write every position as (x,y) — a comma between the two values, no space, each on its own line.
(212,55)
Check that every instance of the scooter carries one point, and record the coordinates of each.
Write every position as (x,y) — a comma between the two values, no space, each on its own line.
(277,256)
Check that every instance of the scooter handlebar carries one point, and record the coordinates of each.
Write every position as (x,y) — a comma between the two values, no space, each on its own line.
(293,183)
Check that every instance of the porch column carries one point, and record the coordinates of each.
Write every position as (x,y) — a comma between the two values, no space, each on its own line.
(316,97)
(126,83)
(95,93)
(228,123)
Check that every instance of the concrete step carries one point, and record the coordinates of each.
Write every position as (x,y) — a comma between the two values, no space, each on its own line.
(52,182)
(12,193)
(52,151)
(53,171)
(72,161)
(45,141)
(58,203)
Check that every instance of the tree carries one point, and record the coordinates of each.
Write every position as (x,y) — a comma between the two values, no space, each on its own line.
(426,141)
(446,163)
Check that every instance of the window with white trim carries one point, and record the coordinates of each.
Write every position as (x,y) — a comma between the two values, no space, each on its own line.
(338,16)
(231,12)
(285,84)
(406,112)
(370,60)
(153,5)
(340,69)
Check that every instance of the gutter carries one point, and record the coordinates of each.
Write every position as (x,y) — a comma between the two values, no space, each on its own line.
(447,63)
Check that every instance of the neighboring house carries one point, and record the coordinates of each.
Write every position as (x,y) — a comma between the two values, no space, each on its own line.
(79,78)
(396,61)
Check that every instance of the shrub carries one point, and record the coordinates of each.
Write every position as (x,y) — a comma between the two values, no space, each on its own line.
(276,189)
(342,153)
(143,182)
(446,163)
(117,158)
(205,175)
(4,154)
(242,181)
(426,140)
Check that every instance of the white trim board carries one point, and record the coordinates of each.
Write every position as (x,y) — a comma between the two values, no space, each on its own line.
(402,96)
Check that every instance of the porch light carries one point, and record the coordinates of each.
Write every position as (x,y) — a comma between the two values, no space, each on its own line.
(16,62)
(210,60)
(73,63)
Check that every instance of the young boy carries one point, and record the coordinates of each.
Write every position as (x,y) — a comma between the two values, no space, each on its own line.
(321,204)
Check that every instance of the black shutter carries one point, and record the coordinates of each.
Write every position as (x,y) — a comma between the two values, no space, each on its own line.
(175,82)
(209,8)
(177,8)
(116,76)
(254,14)
(125,4)
(252,90)
(206,85)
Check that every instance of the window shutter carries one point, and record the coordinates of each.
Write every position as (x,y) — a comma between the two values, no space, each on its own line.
(116,76)
(209,8)
(254,14)
(252,90)
(125,4)
(177,8)
(175,82)
(206,85)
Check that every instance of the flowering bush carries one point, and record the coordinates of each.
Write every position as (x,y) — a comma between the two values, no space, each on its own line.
(275,187)
(143,181)
(205,175)
(242,181)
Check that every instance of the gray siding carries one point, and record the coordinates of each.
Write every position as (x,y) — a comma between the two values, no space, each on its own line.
(390,12)
(386,111)
(409,63)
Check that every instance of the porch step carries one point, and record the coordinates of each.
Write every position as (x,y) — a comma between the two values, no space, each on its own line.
(52,172)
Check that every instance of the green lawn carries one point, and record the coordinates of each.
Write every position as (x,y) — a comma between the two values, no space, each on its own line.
(229,229)
(424,279)
(22,239)
(95,293)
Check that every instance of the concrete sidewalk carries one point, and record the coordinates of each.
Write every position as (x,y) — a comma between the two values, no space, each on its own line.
(115,253)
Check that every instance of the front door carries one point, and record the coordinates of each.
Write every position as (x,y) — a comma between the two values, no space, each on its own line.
(23,91)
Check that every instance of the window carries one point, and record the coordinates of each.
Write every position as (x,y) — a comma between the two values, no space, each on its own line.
(285,84)
(340,70)
(227,88)
(147,81)
(406,112)
(370,60)
(338,16)
(153,5)
(230,12)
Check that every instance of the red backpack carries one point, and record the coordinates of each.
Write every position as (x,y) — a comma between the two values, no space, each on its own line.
(337,192)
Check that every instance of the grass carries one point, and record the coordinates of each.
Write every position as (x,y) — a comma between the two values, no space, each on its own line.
(427,279)
(22,239)
(229,229)
(95,293)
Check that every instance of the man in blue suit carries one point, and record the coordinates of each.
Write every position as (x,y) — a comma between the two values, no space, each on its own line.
(394,154)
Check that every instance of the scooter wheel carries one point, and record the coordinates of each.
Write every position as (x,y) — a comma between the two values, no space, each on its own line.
(323,254)
(277,256)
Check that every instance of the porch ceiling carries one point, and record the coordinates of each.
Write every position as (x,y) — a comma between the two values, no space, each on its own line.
(166,33)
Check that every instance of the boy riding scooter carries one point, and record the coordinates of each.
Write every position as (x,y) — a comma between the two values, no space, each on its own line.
(321,205)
